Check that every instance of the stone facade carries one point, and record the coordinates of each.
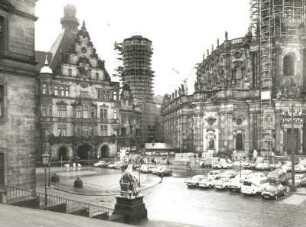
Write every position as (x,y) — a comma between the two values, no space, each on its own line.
(79,104)
(18,104)
(248,89)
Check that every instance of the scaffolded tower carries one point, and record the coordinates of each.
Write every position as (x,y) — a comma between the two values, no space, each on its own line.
(273,22)
(136,53)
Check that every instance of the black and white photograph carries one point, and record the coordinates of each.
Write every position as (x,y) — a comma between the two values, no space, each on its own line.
(152,113)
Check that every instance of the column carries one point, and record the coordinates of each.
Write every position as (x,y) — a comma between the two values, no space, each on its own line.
(301,140)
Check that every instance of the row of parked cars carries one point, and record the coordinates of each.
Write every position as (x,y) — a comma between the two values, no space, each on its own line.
(247,182)
(161,170)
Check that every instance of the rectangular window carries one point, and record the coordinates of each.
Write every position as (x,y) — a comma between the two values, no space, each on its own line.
(44,111)
(115,114)
(103,114)
(44,89)
(85,112)
(56,90)
(62,130)
(1,100)
(92,131)
(85,131)
(115,95)
(78,112)
(62,91)
(50,89)
(50,111)
(99,93)
(103,129)
(62,111)
(79,132)
(92,112)
(67,91)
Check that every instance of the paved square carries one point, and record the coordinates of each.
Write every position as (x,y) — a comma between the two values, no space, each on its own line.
(294,200)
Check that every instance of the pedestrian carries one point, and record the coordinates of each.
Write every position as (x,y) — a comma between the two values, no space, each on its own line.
(161,177)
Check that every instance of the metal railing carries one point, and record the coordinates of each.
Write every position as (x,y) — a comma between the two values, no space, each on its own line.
(72,206)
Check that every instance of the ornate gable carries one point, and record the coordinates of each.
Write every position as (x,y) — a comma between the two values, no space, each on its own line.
(82,54)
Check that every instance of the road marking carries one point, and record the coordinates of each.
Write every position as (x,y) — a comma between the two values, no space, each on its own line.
(294,200)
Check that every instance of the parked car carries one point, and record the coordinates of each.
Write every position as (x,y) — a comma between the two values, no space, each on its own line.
(273,166)
(145,168)
(235,183)
(262,166)
(163,171)
(101,163)
(248,165)
(254,186)
(194,181)
(207,183)
(278,175)
(300,180)
(222,183)
(214,174)
(273,190)
(228,174)
(299,168)
(245,173)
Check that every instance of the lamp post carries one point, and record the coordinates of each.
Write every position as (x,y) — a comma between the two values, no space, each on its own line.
(293,188)
(46,159)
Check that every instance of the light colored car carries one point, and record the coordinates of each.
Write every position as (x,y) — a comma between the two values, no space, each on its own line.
(257,175)
(100,164)
(235,183)
(163,171)
(222,183)
(228,174)
(207,183)
(144,169)
(262,166)
(273,191)
(214,174)
(194,181)
(273,166)
(299,168)
(254,186)
(300,180)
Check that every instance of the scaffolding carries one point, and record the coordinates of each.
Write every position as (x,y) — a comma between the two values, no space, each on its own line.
(136,53)
(272,21)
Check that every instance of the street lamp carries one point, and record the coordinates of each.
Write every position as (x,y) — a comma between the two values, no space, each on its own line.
(45,159)
(293,188)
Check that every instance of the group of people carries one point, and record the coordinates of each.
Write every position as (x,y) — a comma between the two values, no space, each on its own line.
(75,166)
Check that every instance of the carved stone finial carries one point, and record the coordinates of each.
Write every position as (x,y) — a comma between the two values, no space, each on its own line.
(212,47)
(217,42)
(207,52)
(226,35)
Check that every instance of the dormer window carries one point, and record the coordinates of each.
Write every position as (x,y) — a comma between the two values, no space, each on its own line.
(69,72)
(97,76)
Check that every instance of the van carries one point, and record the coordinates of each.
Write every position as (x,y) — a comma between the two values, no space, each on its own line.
(254,186)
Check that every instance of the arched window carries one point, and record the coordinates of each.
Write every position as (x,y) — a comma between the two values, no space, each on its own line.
(288,65)
(239,142)
(238,73)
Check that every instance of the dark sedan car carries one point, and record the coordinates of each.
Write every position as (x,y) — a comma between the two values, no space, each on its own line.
(273,191)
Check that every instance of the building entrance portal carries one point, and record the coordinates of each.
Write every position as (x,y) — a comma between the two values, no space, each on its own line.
(292,141)
(63,153)
(84,151)
(105,151)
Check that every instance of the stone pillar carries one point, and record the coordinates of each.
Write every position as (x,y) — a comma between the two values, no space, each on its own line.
(281,146)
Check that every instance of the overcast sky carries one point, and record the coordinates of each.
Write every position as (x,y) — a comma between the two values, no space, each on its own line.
(181,30)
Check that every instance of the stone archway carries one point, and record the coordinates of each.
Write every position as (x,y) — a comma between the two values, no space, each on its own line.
(84,151)
(63,153)
(105,151)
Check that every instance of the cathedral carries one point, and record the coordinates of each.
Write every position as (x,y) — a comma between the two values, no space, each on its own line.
(249,91)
